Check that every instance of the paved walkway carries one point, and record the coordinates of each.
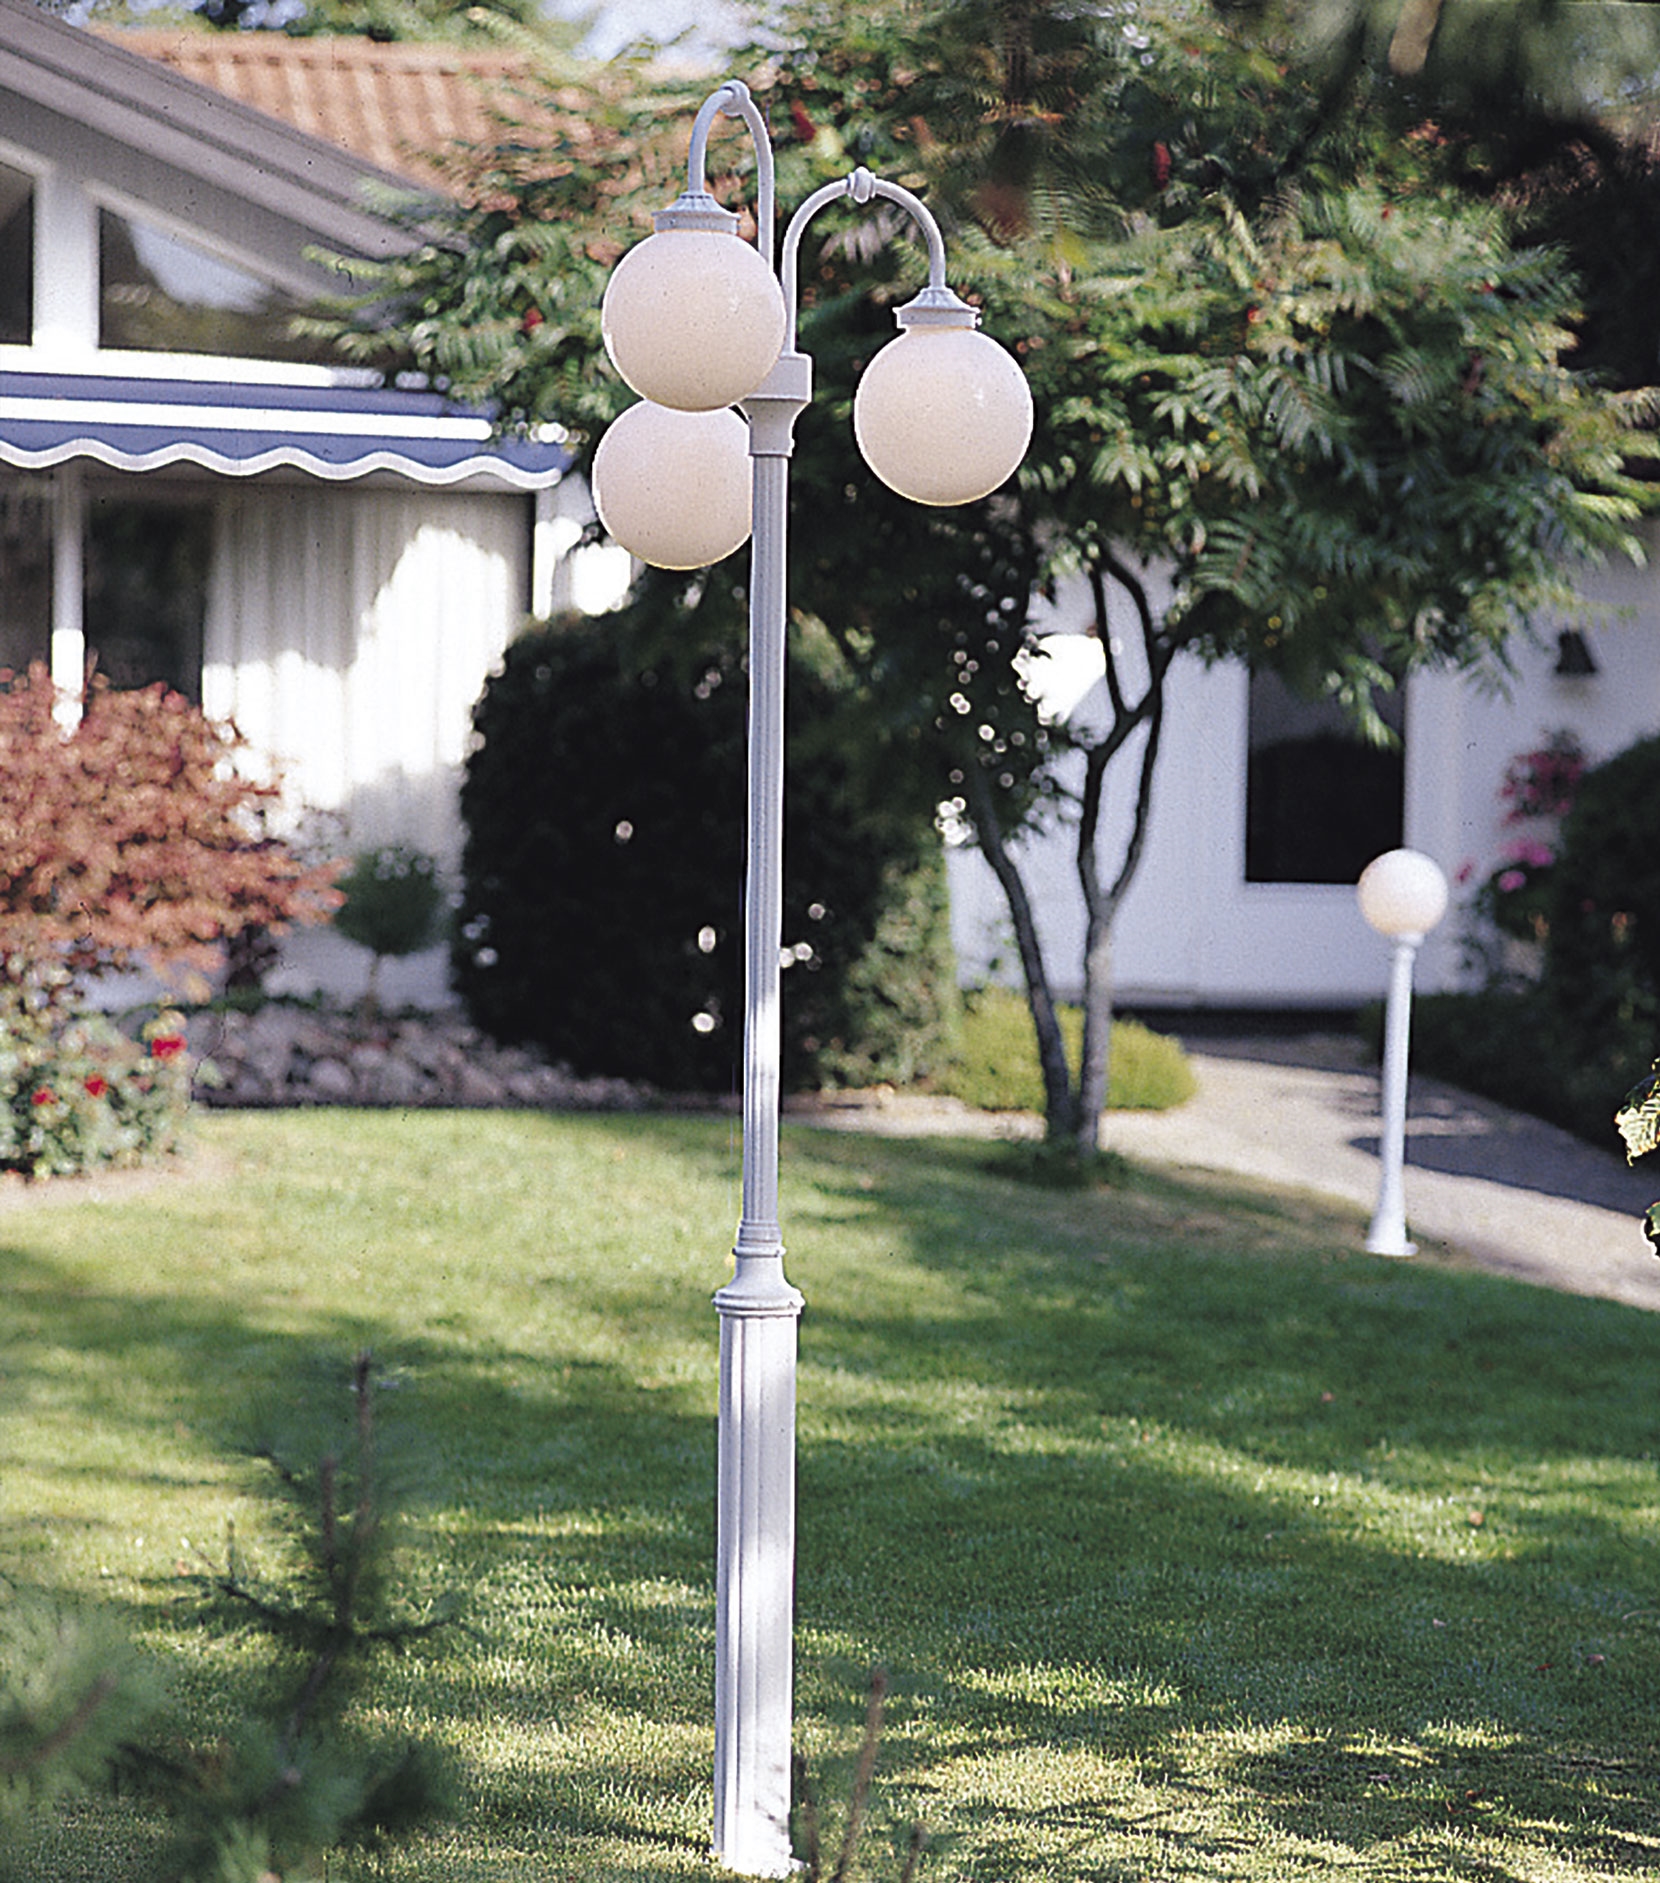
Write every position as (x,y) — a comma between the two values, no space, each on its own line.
(1519,1197)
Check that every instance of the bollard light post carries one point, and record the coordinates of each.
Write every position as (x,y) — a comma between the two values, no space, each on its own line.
(698,321)
(1402,894)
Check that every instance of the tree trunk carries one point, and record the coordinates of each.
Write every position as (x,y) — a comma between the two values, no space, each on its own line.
(1095,1061)
(1060,1101)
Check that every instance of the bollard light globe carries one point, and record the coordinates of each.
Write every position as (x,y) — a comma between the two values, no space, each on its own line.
(693,319)
(1402,892)
(674,487)
(943,414)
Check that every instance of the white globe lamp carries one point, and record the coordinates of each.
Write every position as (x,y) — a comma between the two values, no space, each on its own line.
(674,487)
(1402,892)
(693,317)
(943,414)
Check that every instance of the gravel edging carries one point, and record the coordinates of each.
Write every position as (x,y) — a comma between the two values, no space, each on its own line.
(302,1056)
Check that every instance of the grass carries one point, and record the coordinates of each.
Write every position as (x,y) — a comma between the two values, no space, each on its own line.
(1197,1544)
(996,1065)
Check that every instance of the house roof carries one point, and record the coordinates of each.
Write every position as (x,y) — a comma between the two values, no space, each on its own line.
(395,106)
(63,86)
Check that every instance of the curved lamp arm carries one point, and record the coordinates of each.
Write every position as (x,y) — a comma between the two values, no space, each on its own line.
(935,302)
(733,100)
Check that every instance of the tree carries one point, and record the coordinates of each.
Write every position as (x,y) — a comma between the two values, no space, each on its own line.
(1280,359)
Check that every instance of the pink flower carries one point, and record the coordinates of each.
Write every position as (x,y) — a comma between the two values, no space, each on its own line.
(1510,880)
(1536,856)
(167,1046)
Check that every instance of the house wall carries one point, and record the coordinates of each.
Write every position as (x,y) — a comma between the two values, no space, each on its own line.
(1193,933)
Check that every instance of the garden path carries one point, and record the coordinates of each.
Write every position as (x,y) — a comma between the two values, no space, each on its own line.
(1300,1111)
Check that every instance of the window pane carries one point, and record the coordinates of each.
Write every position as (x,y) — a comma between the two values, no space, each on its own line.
(160,294)
(17,258)
(1319,802)
(25,575)
(146,591)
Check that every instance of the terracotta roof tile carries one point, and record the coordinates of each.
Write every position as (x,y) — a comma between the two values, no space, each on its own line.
(396,106)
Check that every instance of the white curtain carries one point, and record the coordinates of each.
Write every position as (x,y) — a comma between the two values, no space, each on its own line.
(349,633)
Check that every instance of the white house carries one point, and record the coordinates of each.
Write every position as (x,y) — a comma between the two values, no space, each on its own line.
(186,494)
(338,568)
(1245,898)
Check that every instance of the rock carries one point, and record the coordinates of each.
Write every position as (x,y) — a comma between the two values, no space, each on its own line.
(330,1082)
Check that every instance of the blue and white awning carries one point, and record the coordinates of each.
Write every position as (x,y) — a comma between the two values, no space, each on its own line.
(335,432)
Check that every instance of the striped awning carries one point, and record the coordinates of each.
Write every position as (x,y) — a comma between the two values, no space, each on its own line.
(328,431)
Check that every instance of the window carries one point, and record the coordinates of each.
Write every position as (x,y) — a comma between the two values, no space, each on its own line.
(146,590)
(1320,802)
(25,575)
(17,258)
(161,294)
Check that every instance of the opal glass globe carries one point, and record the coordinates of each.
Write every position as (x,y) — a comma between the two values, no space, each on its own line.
(674,487)
(693,319)
(943,415)
(1402,892)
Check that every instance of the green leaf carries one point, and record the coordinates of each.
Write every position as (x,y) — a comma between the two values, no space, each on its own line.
(1638,1122)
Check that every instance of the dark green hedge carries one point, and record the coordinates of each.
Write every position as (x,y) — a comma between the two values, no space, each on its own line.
(604,864)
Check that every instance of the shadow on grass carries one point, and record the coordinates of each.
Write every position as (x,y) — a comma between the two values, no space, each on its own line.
(1177,1525)
(1252,1487)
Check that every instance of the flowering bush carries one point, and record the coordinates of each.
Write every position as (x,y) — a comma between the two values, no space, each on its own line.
(1538,788)
(1516,896)
(127,838)
(1542,784)
(77,1094)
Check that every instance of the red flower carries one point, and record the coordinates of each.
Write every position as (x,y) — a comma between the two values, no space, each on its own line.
(97,1085)
(43,1095)
(167,1046)
(1161,164)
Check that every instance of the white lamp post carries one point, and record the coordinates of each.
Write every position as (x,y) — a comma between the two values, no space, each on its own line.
(697,321)
(1402,894)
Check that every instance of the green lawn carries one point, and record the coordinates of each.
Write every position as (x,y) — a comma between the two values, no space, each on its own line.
(1198,1544)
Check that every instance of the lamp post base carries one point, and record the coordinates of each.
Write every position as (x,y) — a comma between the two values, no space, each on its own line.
(755,1571)
(1389,1239)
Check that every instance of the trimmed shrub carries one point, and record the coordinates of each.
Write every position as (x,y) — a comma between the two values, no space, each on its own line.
(603,875)
(996,1067)
(393,900)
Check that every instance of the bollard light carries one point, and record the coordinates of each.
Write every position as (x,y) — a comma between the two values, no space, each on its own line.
(696,320)
(1403,895)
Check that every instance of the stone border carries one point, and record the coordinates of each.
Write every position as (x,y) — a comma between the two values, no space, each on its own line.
(298,1055)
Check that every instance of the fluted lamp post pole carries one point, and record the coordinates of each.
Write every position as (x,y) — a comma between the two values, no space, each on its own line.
(698,322)
(1402,895)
